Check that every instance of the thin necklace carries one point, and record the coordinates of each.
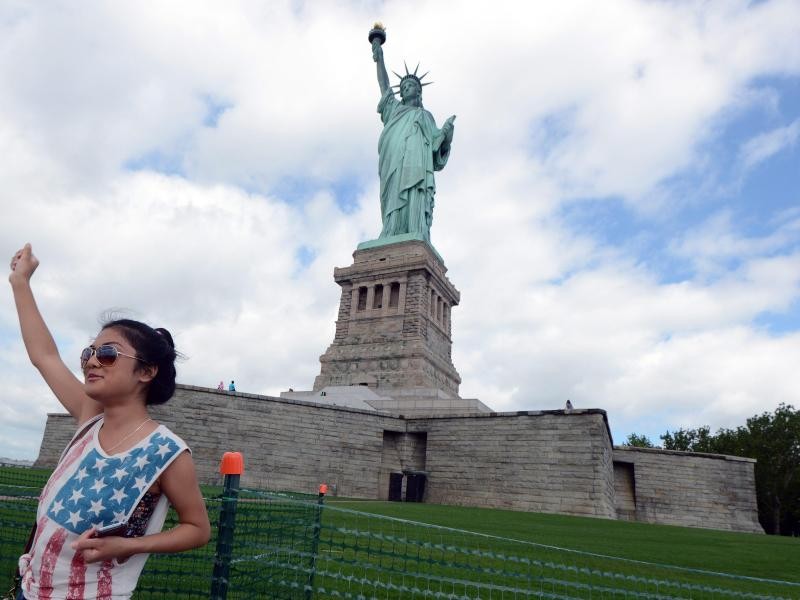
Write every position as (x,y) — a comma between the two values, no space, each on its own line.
(148,419)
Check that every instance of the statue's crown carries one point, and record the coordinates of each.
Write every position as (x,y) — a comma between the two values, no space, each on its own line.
(412,76)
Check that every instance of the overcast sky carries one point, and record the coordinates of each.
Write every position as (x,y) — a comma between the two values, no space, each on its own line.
(621,208)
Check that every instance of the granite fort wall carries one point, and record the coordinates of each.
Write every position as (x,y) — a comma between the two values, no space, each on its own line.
(685,488)
(287,445)
(544,461)
(547,461)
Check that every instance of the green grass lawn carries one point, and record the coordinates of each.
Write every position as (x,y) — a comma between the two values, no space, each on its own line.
(753,555)
(359,552)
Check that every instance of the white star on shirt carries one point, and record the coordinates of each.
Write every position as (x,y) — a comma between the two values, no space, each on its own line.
(97,507)
(76,495)
(119,517)
(100,463)
(163,450)
(58,506)
(142,461)
(141,483)
(119,474)
(74,518)
(81,474)
(98,485)
(119,495)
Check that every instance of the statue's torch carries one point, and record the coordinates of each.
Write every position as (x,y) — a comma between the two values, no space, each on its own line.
(377,33)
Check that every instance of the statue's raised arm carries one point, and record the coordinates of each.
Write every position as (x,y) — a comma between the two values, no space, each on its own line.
(377,36)
(410,149)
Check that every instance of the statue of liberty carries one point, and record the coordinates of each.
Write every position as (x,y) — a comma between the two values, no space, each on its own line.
(410,149)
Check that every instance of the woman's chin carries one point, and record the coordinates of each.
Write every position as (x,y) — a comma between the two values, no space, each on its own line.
(93,391)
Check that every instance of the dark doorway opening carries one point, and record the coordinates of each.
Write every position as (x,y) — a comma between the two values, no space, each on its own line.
(395,487)
(415,487)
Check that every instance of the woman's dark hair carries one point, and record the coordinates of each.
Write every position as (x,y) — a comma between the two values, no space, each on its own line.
(156,348)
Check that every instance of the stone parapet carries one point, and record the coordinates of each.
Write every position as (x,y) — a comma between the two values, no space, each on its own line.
(423,406)
(526,460)
(686,488)
(287,444)
(546,461)
(58,432)
(543,461)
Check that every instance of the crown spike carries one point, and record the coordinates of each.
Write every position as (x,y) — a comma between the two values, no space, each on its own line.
(417,69)
(421,77)
(396,75)
(424,84)
(406,66)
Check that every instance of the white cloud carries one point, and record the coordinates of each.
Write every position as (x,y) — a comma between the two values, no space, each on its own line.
(590,338)
(561,100)
(716,242)
(761,147)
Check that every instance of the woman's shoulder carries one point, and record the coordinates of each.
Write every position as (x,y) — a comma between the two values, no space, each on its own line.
(86,424)
(166,435)
(84,429)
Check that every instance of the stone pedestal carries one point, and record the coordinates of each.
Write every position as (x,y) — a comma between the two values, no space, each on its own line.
(393,329)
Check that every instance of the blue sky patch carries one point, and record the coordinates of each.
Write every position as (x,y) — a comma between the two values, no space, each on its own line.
(158,161)
(214,110)
(305,255)
(297,191)
(347,191)
(783,322)
(550,131)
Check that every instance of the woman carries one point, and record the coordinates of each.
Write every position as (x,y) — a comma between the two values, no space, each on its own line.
(102,510)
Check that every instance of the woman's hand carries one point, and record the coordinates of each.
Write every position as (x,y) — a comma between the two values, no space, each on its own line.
(23,264)
(96,549)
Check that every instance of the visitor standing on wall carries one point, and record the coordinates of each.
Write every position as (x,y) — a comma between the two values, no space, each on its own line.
(232,387)
(101,512)
(221,387)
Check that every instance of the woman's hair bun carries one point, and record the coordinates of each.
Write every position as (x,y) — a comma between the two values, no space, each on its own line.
(166,335)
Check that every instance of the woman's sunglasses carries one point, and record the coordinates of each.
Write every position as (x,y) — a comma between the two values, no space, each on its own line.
(106,355)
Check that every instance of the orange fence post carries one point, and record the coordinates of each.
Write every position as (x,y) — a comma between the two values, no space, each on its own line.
(309,587)
(232,467)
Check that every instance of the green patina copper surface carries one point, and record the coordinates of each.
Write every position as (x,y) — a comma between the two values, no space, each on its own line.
(411,148)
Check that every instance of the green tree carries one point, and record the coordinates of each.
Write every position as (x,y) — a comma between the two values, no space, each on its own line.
(689,440)
(638,440)
(773,439)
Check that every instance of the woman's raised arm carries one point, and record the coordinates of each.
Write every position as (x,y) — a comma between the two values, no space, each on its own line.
(39,342)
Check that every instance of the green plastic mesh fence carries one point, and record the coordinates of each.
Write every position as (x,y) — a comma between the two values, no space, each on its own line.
(290,546)
(167,576)
(19,491)
(183,575)
(358,555)
(274,546)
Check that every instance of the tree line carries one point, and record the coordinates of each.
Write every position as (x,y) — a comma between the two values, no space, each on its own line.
(773,439)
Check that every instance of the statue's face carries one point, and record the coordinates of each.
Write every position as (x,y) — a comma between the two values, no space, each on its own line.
(409,90)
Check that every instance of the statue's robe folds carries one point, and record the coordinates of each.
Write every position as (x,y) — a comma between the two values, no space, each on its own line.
(409,151)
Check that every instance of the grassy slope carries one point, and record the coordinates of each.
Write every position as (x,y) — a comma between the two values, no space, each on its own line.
(753,555)
(743,554)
